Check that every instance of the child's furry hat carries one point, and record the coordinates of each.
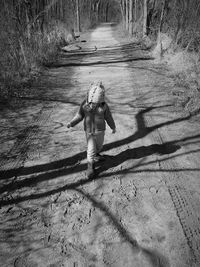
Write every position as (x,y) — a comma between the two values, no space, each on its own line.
(96,93)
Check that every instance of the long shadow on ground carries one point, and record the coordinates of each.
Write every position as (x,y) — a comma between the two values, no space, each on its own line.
(115,161)
(154,257)
(68,166)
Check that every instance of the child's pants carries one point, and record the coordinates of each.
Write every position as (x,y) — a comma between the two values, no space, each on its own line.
(94,144)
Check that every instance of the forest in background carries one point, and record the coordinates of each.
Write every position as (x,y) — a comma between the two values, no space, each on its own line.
(32,31)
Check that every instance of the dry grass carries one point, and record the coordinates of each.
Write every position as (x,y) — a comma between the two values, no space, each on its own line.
(22,58)
(186,71)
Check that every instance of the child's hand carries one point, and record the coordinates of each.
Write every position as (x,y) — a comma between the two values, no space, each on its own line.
(68,125)
(113,131)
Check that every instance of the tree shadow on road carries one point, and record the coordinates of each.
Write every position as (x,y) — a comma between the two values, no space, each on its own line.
(56,172)
(155,258)
(73,161)
(32,181)
(103,55)
(72,164)
(143,130)
(102,62)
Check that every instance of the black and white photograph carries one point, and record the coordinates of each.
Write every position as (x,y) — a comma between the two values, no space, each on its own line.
(99,133)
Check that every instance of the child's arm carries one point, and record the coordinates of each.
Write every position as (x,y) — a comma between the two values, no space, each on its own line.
(109,119)
(77,118)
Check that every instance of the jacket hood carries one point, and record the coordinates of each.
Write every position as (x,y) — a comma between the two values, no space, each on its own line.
(96,93)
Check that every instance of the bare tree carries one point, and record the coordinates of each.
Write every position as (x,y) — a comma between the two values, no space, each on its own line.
(127,14)
(135,10)
(130,17)
(122,6)
(78,16)
(144,32)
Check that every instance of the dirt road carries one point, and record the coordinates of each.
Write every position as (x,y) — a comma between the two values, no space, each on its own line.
(142,209)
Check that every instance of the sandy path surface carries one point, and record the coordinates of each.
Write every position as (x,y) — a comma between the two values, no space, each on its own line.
(142,209)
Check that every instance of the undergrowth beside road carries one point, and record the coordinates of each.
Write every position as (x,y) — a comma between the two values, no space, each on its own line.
(22,57)
(183,66)
(185,70)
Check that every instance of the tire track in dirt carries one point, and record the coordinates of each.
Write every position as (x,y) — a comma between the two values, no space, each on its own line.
(183,201)
(22,145)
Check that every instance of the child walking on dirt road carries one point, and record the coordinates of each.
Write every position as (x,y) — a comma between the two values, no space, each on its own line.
(95,112)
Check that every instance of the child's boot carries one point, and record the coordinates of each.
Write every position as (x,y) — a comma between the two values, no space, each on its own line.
(99,158)
(90,170)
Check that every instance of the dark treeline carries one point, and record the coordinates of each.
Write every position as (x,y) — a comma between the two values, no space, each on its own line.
(32,31)
(178,18)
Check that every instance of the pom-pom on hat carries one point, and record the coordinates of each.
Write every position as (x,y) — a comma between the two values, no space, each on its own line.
(96,93)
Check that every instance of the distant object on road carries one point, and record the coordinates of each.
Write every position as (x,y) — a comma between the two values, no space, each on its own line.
(71,37)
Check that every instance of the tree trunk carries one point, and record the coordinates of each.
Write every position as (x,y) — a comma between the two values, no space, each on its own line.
(61,9)
(130,17)
(42,17)
(90,11)
(28,26)
(107,8)
(144,32)
(135,13)
(122,5)
(161,21)
(127,15)
(78,16)
(98,10)
(135,16)
(101,13)
(159,42)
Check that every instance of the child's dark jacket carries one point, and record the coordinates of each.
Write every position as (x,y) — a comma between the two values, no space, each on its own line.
(94,120)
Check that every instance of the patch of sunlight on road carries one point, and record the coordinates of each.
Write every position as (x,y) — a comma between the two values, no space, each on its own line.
(113,75)
(102,36)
